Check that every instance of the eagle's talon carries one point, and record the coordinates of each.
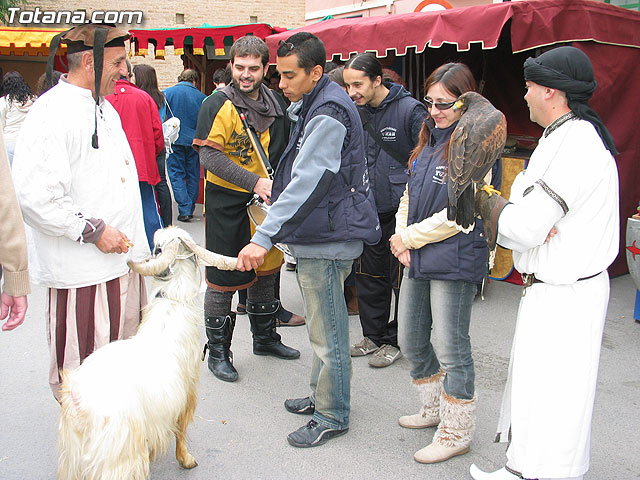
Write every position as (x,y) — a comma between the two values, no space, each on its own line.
(490,190)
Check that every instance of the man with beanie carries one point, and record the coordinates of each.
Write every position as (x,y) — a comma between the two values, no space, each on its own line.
(561,222)
(77,184)
(324,211)
(235,172)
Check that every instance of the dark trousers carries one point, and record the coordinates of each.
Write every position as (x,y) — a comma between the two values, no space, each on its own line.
(162,191)
(378,274)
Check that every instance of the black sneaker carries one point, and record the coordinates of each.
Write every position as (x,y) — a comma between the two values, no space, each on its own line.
(302,406)
(185,218)
(313,434)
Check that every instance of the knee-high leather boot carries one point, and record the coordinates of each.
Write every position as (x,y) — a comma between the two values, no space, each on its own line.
(266,340)
(219,333)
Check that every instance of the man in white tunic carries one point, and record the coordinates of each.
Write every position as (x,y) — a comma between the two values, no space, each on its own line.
(77,185)
(561,222)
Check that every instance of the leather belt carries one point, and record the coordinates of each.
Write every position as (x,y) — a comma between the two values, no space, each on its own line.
(529,279)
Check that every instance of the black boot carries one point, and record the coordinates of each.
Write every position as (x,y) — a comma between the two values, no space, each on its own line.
(219,333)
(263,326)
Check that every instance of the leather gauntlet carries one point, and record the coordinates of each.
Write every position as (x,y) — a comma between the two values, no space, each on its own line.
(489,207)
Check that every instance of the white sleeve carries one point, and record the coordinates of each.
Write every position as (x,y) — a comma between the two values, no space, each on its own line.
(42,179)
(526,224)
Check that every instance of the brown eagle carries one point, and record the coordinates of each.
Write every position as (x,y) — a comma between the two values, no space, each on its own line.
(475,145)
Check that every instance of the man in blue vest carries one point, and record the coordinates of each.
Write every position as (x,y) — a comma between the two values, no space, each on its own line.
(183,165)
(392,120)
(324,211)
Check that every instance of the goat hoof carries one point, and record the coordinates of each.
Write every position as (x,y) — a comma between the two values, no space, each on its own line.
(188,462)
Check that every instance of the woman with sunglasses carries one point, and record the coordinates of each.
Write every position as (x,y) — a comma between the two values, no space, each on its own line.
(445,268)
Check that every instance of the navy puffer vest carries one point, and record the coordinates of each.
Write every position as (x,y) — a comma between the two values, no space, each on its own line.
(347,212)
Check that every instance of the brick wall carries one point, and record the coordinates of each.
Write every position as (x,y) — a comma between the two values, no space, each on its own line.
(281,13)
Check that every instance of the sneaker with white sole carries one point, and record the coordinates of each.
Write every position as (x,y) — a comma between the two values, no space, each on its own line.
(363,347)
(385,356)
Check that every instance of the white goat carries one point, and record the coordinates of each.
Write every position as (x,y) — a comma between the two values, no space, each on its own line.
(122,406)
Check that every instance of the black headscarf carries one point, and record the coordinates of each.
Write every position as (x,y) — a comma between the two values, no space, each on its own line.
(569,70)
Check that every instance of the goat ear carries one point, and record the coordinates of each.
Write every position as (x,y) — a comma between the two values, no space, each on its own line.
(210,258)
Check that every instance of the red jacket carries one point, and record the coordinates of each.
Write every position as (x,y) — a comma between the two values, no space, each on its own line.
(141,123)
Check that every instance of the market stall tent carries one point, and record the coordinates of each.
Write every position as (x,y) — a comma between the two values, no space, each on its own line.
(203,48)
(494,40)
(26,50)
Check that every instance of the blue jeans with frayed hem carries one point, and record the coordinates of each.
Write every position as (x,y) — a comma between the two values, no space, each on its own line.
(321,282)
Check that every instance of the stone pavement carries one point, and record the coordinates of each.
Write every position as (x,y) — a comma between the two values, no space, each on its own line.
(240,429)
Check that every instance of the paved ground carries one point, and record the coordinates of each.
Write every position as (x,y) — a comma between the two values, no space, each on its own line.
(240,429)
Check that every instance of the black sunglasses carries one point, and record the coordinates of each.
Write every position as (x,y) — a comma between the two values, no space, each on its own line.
(439,105)
(288,45)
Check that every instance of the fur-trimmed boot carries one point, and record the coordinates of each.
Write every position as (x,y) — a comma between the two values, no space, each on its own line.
(266,341)
(219,332)
(454,433)
(429,389)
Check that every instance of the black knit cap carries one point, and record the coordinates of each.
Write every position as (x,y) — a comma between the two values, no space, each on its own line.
(569,70)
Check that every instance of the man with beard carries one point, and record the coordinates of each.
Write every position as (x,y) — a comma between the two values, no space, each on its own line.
(235,172)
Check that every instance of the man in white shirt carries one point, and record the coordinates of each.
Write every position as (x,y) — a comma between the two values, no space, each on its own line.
(77,185)
(562,223)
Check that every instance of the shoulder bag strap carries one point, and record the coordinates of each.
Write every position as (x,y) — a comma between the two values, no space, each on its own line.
(366,124)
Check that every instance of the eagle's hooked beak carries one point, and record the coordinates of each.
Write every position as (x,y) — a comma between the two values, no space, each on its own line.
(457,106)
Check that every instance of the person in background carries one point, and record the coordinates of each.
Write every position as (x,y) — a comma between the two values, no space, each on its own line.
(146,79)
(274,82)
(42,82)
(184,101)
(391,76)
(14,268)
(77,185)
(141,123)
(392,120)
(337,76)
(443,268)
(221,78)
(18,99)
(562,224)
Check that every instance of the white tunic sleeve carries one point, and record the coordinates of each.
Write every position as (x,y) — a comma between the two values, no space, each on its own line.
(526,224)
(43,180)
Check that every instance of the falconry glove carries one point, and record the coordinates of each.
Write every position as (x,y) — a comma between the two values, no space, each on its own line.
(489,206)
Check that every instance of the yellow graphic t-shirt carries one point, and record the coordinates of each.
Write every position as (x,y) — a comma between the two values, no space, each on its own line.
(228,135)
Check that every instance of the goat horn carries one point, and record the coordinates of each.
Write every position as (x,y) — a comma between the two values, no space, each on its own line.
(210,258)
(156,265)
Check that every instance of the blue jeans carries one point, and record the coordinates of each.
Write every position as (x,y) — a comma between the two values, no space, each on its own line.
(322,285)
(183,168)
(444,307)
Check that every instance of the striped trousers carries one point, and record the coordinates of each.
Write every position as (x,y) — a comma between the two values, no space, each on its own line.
(81,320)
